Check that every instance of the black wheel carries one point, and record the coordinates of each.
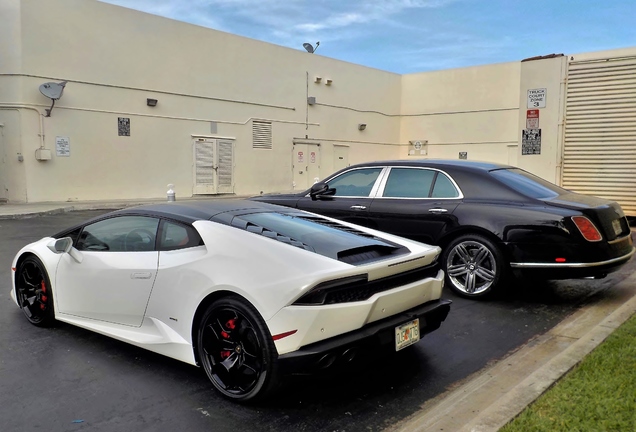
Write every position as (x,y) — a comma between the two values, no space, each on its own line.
(474,266)
(33,291)
(237,351)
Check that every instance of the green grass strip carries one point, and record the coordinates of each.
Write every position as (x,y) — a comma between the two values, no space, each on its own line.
(597,395)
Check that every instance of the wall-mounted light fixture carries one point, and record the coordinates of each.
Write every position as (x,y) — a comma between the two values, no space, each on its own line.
(151,102)
(317,80)
(328,82)
(362,126)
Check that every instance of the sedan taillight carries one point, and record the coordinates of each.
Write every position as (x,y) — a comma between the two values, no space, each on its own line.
(587,228)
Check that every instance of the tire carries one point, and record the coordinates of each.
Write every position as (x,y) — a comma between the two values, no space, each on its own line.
(34,293)
(474,266)
(237,351)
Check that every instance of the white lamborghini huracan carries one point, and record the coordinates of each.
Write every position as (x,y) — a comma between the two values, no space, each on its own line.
(247,290)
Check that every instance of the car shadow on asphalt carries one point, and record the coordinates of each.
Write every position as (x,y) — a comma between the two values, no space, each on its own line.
(374,377)
(558,292)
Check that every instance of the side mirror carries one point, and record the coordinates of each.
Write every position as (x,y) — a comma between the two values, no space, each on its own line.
(65,245)
(61,246)
(318,189)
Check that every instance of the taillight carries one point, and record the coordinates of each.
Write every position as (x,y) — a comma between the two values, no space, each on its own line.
(587,228)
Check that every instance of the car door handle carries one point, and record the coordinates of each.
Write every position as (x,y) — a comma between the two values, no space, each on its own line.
(358,207)
(437,210)
(140,275)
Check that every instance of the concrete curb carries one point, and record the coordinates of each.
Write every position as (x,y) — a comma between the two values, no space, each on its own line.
(22,211)
(496,395)
(35,213)
(57,210)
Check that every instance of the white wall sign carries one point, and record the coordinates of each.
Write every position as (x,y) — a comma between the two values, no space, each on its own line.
(537,97)
(62,146)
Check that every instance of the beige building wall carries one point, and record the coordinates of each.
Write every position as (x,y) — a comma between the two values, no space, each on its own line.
(214,85)
(208,84)
(472,110)
(11,135)
(548,74)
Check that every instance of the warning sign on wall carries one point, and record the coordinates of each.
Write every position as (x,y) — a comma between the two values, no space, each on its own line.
(301,157)
(532,119)
(312,157)
(62,146)
(531,141)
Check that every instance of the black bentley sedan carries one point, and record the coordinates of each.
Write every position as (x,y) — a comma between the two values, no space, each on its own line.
(488,218)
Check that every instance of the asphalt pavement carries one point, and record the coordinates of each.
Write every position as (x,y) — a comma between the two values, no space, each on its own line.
(480,369)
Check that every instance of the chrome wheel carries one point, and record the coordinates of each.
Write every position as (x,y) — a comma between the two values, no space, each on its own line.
(33,292)
(235,352)
(473,266)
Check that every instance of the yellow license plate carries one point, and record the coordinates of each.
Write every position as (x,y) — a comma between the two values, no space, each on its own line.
(407,334)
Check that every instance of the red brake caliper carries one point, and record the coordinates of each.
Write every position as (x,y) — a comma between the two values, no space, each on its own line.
(43,298)
(225,335)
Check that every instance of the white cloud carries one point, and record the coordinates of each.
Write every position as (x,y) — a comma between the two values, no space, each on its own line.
(359,27)
(274,19)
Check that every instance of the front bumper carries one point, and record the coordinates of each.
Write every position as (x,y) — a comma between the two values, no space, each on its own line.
(378,334)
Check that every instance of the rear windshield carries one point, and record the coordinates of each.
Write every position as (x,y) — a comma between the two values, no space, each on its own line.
(528,184)
(306,230)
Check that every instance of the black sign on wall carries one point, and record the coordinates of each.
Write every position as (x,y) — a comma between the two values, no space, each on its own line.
(123,126)
(531,141)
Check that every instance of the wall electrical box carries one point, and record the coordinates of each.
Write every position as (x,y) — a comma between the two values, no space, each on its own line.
(42,154)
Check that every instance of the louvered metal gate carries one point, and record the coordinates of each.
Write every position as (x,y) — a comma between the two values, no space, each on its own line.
(599,152)
(213,166)
(225,171)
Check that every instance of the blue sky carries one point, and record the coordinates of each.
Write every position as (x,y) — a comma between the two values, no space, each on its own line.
(406,36)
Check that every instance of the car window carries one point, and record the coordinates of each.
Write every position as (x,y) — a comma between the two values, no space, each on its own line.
(74,235)
(120,234)
(409,183)
(178,236)
(444,187)
(528,184)
(357,182)
(313,231)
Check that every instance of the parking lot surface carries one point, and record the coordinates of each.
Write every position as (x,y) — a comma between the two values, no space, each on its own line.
(67,378)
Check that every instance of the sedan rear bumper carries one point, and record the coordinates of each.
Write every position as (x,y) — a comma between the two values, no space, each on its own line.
(614,261)
(574,270)
(344,348)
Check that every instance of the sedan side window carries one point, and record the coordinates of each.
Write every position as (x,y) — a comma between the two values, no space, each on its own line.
(409,183)
(178,236)
(355,183)
(444,187)
(120,234)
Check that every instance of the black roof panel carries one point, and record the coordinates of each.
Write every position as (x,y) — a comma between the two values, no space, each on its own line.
(438,163)
(190,211)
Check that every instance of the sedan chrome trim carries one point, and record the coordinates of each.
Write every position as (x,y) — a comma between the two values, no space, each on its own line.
(572,265)
(619,239)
